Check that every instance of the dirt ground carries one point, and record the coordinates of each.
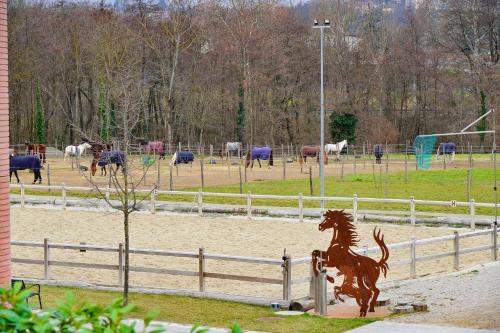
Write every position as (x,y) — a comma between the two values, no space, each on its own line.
(221,173)
(265,238)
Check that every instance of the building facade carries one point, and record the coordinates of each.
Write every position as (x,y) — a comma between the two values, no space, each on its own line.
(5,268)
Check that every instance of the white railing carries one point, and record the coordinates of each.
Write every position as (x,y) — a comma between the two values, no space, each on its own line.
(411,203)
(286,262)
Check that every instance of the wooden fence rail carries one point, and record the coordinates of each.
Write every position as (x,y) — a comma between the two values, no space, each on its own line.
(286,262)
(249,197)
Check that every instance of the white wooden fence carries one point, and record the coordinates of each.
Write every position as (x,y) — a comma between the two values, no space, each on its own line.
(287,281)
(300,199)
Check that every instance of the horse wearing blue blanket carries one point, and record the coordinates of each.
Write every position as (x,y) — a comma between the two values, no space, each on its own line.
(184,157)
(108,157)
(31,162)
(264,153)
(446,149)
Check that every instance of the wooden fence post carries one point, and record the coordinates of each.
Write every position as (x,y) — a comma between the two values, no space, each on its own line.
(413,257)
(301,208)
(63,194)
(23,204)
(46,258)
(387,179)
(310,180)
(472,212)
(48,175)
(287,278)
(374,178)
(354,158)
(200,202)
(469,182)
(202,175)
(241,179)
(494,253)
(456,249)
(406,168)
(284,168)
(171,181)
(158,178)
(120,264)
(201,269)
(412,210)
(355,208)
(249,205)
(341,171)
(152,206)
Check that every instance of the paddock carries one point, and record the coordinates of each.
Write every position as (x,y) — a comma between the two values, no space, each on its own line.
(234,236)
(227,172)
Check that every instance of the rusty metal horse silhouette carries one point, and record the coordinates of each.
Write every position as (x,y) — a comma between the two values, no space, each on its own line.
(360,272)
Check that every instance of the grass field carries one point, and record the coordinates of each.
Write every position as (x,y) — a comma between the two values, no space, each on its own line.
(188,310)
(450,184)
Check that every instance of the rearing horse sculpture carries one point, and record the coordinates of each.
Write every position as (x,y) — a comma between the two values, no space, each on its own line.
(360,272)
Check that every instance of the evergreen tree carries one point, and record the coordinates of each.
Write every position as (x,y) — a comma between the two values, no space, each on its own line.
(104,132)
(39,116)
(112,124)
(240,115)
(343,127)
(481,126)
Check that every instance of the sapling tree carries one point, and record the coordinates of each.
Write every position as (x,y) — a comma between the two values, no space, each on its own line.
(123,182)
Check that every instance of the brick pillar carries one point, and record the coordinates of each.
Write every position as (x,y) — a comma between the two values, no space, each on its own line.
(5,272)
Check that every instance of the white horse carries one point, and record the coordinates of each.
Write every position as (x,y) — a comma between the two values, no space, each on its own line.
(76,150)
(233,147)
(335,148)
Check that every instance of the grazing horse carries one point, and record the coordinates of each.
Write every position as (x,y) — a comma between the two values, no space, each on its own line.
(360,272)
(446,149)
(264,153)
(310,151)
(31,162)
(182,157)
(157,148)
(77,151)
(105,158)
(234,148)
(378,151)
(36,149)
(335,148)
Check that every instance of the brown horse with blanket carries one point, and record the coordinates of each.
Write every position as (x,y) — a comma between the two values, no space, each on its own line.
(310,151)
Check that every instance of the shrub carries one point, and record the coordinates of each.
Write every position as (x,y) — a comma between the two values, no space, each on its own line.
(71,316)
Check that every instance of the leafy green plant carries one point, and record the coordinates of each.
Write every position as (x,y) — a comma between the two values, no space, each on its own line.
(72,316)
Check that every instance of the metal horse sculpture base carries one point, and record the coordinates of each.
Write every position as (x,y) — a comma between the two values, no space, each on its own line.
(360,272)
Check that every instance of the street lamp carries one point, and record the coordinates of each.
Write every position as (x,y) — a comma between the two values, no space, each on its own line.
(325,25)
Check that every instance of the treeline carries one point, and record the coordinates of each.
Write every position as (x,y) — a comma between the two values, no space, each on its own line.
(211,71)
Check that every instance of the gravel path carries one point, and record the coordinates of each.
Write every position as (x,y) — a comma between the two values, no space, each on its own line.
(467,299)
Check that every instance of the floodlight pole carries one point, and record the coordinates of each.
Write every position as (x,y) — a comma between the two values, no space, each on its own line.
(322,117)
